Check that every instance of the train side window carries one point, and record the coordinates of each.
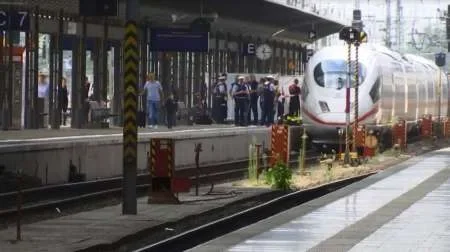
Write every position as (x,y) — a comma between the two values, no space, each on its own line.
(334,74)
(319,76)
(375,91)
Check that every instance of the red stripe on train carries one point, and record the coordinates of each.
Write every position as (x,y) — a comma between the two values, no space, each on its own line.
(319,121)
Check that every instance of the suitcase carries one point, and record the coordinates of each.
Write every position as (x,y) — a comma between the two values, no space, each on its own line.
(141,117)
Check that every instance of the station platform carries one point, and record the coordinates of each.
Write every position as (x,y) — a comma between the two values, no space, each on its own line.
(107,225)
(49,155)
(404,208)
(22,136)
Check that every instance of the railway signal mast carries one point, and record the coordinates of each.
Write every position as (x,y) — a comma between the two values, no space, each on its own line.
(358,25)
(352,35)
(399,26)
(447,24)
(388,24)
(440,62)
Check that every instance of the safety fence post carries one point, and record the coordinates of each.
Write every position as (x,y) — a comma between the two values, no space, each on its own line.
(198,149)
(19,205)
(303,153)
(258,160)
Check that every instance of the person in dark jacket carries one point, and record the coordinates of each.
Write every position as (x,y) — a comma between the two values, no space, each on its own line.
(253,85)
(220,101)
(268,99)
(294,101)
(64,100)
(241,96)
(176,100)
(86,98)
(171,110)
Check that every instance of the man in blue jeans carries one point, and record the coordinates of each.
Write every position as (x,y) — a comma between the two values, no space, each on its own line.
(154,94)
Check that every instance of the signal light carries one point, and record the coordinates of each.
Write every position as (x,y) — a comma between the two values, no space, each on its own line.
(350,34)
(440,59)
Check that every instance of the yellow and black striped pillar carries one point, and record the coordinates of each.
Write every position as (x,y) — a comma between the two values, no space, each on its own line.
(169,158)
(285,144)
(273,140)
(131,66)
(153,147)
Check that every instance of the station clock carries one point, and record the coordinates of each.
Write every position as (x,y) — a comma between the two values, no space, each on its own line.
(264,52)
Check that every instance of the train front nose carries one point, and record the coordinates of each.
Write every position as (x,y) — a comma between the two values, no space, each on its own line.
(325,110)
(325,127)
(331,119)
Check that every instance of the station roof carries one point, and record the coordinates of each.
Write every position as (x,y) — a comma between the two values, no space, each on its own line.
(258,18)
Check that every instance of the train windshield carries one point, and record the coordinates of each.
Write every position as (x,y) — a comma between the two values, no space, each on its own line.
(333,74)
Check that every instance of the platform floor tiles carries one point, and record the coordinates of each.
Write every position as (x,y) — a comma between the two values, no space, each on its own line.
(352,222)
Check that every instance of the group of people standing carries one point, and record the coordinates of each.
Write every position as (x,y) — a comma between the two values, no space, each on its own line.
(246,92)
(154,95)
(63,94)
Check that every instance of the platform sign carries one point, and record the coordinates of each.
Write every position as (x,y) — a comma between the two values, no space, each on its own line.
(98,8)
(15,20)
(17,55)
(70,42)
(179,40)
(249,49)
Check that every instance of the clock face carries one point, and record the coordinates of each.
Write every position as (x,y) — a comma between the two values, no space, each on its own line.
(264,52)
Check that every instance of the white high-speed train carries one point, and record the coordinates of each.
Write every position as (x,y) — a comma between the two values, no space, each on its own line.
(392,86)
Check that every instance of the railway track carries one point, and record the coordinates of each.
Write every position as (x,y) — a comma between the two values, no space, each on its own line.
(40,199)
(217,228)
(51,197)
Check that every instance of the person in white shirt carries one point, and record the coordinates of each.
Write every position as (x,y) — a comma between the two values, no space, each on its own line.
(154,96)
(43,86)
(280,100)
(220,100)
(268,99)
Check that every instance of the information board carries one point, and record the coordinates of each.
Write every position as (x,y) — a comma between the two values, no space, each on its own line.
(178,40)
(14,20)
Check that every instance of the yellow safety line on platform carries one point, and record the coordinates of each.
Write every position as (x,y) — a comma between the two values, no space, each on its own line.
(175,132)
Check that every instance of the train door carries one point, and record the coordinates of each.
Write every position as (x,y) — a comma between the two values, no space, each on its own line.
(431,104)
(447,79)
(387,96)
(399,94)
(406,95)
(422,96)
(427,96)
(445,94)
(412,97)
(394,97)
(417,90)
